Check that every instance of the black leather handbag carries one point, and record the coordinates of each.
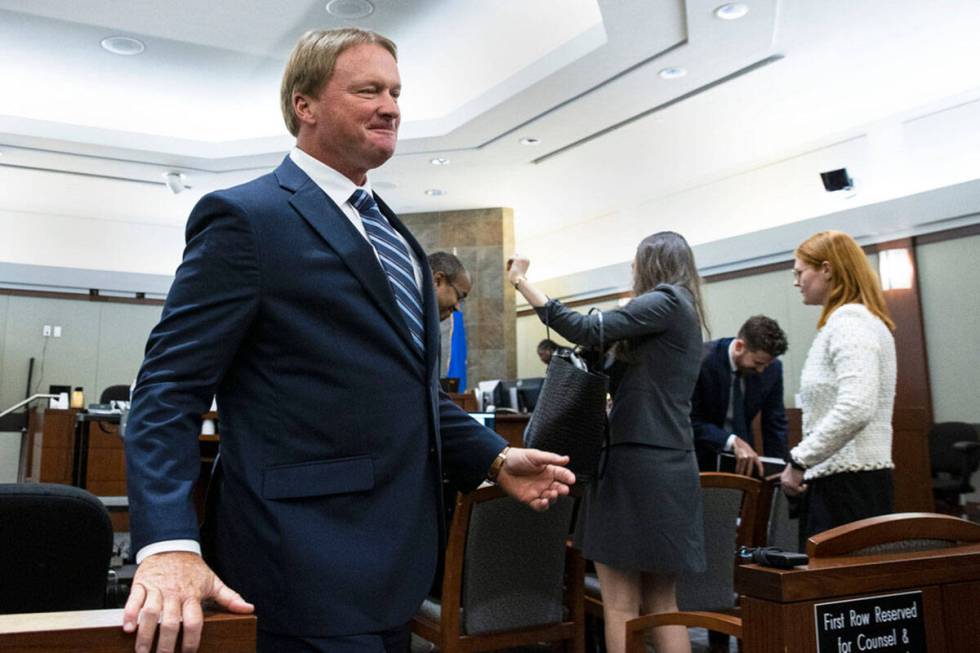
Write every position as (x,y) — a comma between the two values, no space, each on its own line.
(569,417)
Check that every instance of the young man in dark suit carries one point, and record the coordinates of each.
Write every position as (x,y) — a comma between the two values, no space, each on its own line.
(298,292)
(739,378)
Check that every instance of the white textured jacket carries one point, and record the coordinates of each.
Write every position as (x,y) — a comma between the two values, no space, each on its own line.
(847,391)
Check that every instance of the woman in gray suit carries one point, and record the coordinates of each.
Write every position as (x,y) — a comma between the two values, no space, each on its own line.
(641,522)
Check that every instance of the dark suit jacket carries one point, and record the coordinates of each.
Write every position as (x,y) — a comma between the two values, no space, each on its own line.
(334,432)
(763,392)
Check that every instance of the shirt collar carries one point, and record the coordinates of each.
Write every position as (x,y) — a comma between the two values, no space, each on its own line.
(731,356)
(337,187)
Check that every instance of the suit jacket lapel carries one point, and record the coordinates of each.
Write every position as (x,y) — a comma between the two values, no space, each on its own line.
(332,225)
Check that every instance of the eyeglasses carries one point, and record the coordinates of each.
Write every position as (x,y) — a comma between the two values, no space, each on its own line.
(460,296)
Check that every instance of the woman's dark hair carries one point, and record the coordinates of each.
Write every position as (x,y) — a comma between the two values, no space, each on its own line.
(665,257)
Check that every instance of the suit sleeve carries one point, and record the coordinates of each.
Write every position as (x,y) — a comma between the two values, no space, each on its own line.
(648,314)
(774,423)
(213,299)
(468,447)
(707,434)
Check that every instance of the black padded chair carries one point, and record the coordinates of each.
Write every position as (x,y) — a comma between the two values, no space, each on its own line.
(954,453)
(55,544)
(509,579)
(114,393)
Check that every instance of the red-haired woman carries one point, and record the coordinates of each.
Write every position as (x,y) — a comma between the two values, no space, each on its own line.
(847,388)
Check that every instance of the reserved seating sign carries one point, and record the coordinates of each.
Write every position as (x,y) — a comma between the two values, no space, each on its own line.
(890,623)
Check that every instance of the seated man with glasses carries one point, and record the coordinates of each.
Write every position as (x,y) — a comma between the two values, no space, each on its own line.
(451,280)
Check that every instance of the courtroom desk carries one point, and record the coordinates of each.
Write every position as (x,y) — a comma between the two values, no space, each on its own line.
(100,631)
(57,452)
(465,400)
(511,426)
(777,605)
(100,465)
(52,454)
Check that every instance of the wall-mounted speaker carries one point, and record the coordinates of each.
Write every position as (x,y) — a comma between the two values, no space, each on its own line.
(836,180)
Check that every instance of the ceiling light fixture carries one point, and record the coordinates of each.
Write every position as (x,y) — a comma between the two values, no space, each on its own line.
(434,192)
(672,72)
(350,9)
(439,161)
(529,140)
(731,11)
(126,46)
(174,182)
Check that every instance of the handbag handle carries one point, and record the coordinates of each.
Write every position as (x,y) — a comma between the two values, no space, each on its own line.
(602,336)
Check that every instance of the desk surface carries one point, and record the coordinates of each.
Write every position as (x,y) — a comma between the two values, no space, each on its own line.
(100,631)
(859,574)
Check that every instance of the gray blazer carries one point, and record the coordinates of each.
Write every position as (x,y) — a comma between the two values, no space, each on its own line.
(653,402)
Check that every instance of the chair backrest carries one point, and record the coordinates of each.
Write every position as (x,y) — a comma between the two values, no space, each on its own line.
(783,532)
(942,436)
(514,563)
(55,545)
(899,532)
(114,393)
(730,511)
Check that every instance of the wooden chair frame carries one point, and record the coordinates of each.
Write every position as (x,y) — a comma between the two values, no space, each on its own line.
(447,634)
(885,529)
(728,624)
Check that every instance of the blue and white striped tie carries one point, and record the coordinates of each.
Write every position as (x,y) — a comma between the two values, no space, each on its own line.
(396,262)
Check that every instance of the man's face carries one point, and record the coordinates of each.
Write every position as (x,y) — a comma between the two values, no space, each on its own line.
(545,355)
(352,125)
(749,361)
(450,295)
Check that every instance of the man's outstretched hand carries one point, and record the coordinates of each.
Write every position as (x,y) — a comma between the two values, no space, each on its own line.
(535,477)
(167,590)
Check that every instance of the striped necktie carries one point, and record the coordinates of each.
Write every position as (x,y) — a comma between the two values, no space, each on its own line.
(397,264)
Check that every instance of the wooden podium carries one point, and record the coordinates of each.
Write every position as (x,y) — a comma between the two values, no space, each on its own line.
(895,602)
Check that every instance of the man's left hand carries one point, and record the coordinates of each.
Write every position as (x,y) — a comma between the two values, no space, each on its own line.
(535,477)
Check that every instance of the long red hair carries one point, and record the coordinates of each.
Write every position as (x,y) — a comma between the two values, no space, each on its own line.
(852,280)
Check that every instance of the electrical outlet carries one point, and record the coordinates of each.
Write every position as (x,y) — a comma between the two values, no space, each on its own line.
(57,331)
(46,331)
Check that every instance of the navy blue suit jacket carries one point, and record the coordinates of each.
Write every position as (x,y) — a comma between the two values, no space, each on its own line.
(763,392)
(334,432)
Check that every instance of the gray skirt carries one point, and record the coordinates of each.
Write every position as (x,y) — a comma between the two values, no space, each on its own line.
(645,513)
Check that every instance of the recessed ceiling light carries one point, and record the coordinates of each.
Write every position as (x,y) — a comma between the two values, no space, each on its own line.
(124,45)
(731,11)
(434,192)
(672,73)
(350,9)
(530,141)
(439,161)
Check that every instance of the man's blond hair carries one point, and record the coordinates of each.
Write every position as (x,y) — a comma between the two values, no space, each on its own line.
(312,62)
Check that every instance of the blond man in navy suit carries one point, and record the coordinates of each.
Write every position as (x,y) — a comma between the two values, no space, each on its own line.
(288,308)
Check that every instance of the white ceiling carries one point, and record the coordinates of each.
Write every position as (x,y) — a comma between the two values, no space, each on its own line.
(791,77)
